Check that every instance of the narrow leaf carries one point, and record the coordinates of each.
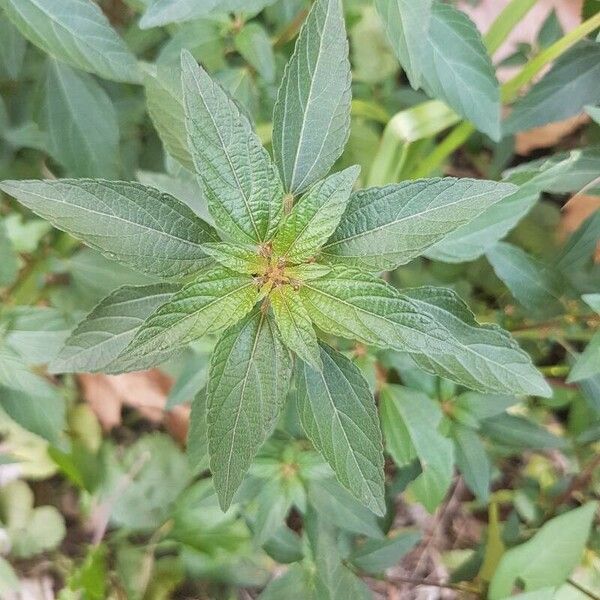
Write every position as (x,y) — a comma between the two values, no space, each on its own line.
(75,32)
(249,379)
(134,224)
(383,228)
(472,461)
(244,193)
(340,418)
(295,325)
(253,43)
(588,363)
(311,119)
(315,216)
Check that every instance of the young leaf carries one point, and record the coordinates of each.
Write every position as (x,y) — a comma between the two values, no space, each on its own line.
(109,328)
(315,216)
(562,93)
(339,416)
(407,25)
(75,32)
(243,189)
(81,123)
(458,70)
(237,257)
(249,378)
(548,558)
(253,43)
(217,299)
(311,118)
(295,325)
(418,417)
(149,231)
(164,96)
(383,228)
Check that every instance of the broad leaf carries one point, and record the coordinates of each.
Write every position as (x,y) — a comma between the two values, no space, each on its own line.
(237,257)
(548,558)
(315,217)
(418,417)
(311,118)
(535,285)
(152,232)
(383,228)
(249,378)
(518,433)
(562,93)
(81,123)
(217,299)
(339,415)
(458,70)
(407,24)
(243,190)
(164,96)
(75,32)
(295,325)
(109,328)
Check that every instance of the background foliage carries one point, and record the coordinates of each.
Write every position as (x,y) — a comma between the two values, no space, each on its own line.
(490,495)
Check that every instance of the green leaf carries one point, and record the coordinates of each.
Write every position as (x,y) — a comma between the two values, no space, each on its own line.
(340,508)
(12,49)
(193,376)
(217,299)
(295,325)
(536,286)
(164,97)
(249,378)
(253,43)
(517,432)
(472,461)
(152,232)
(548,558)
(593,301)
(383,228)
(315,217)
(297,583)
(339,415)
(75,32)
(483,357)
(311,118)
(237,257)
(9,266)
(458,70)
(107,330)
(588,362)
(418,417)
(243,190)
(197,439)
(81,123)
(562,93)
(407,25)
(375,556)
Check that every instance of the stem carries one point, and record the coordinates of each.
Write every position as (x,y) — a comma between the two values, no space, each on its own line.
(505,22)
(461,133)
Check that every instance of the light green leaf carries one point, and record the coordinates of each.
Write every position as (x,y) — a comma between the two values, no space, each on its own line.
(237,257)
(107,330)
(483,357)
(152,232)
(253,43)
(311,118)
(339,415)
(562,93)
(9,582)
(375,556)
(295,325)
(164,96)
(9,266)
(383,228)
(81,123)
(588,362)
(249,378)
(418,417)
(197,439)
(472,461)
(217,299)
(593,301)
(315,216)
(193,376)
(549,557)
(243,190)
(535,285)
(12,49)
(457,69)
(407,24)
(75,32)
(297,583)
